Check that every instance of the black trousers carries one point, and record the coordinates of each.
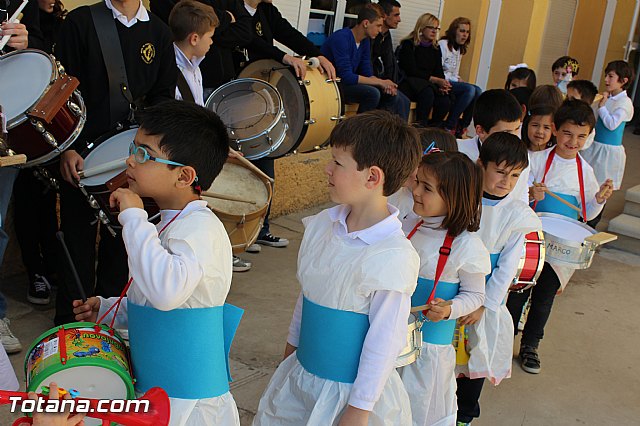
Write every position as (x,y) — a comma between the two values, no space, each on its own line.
(542,296)
(267,165)
(36,224)
(80,231)
(468,394)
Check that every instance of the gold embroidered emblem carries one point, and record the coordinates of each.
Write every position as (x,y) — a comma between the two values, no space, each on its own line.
(147,53)
(259,28)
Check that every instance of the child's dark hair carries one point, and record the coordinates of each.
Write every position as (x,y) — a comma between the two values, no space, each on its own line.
(444,140)
(191,16)
(190,135)
(496,105)
(503,147)
(546,94)
(623,70)
(522,74)
(379,138)
(576,112)
(565,62)
(460,186)
(522,94)
(537,110)
(370,12)
(587,89)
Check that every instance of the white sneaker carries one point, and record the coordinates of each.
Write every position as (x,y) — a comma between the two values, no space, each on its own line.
(254,248)
(240,265)
(9,341)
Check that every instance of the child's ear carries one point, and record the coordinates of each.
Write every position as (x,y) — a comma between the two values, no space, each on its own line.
(625,81)
(186,177)
(376,177)
(482,134)
(479,163)
(193,39)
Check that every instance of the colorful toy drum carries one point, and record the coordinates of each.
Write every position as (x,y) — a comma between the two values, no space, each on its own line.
(531,262)
(81,355)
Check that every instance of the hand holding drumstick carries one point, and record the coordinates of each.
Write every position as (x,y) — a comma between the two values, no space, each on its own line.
(537,191)
(606,190)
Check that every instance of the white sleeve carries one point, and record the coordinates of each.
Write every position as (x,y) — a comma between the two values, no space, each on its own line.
(593,208)
(8,379)
(498,285)
(612,120)
(294,327)
(166,277)
(387,335)
(122,319)
(471,295)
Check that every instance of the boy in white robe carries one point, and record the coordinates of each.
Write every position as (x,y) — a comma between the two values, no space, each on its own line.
(504,223)
(180,270)
(357,272)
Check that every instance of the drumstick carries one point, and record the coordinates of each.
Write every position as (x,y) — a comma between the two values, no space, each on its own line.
(428,306)
(83,296)
(563,201)
(226,197)
(106,167)
(13,20)
(249,164)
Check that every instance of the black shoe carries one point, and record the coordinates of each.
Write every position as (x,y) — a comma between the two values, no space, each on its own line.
(272,241)
(529,360)
(39,291)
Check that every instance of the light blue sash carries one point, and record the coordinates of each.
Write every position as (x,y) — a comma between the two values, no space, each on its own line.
(441,332)
(331,341)
(494,262)
(551,205)
(609,137)
(183,351)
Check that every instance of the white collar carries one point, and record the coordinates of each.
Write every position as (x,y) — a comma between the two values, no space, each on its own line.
(250,9)
(618,96)
(168,214)
(183,62)
(142,15)
(371,235)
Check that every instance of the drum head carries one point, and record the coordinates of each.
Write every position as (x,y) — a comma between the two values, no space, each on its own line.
(24,77)
(294,99)
(248,107)
(110,149)
(566,228)
(238,181)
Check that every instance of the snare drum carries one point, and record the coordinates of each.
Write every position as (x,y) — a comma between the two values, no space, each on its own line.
(83,356)
(98,188)
(242,220)
(411,351)
(45,113)
(531,262)
(569,242)
(313,106)
(254,115)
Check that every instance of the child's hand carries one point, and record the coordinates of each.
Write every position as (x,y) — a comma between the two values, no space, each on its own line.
(55,419)
(606,190)
(537,191)
(472,318)
(353,416)
(603,101)
(87,311)
(124,198)
(438,313)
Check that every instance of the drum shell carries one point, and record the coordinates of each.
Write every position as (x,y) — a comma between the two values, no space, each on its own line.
(411,351)
(566,251)
(531,263)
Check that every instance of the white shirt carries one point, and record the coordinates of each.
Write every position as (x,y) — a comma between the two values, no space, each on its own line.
(190,68)
(450,61)
(142,14)
(250,9)
(617,109)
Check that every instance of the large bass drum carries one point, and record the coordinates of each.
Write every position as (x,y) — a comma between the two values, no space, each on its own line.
(313,105)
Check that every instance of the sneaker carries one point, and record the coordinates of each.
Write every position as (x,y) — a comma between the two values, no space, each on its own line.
(462,424)
(254,248)
(529,360)
(39,291)
(272,241)
(240,265)
(9,341)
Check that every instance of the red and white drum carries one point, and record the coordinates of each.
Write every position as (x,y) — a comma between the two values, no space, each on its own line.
(531,262)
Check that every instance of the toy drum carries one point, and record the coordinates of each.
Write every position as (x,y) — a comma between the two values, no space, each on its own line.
(45,113)
(313,105)
(242,219)
(569,242)
(103,173)
(411,351)
(254,115)
(531,262)
(84,356)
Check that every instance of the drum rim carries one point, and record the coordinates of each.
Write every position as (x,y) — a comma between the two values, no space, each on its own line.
(563,240)
(21,118)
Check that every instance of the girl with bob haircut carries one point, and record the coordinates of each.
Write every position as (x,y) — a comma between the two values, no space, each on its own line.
(447,197)
(453,45)
(520,76)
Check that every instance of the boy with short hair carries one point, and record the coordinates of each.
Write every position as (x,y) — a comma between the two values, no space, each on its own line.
(557,169)
(181,269)
(358,272)
(496,110)
(192,24)
(586,91)
(503,225)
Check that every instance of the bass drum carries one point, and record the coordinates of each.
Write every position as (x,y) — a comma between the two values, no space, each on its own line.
(313,105)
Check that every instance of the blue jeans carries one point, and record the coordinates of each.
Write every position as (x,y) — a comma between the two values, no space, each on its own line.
(398,104)
(465,99)
(368,97)
(7,177)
